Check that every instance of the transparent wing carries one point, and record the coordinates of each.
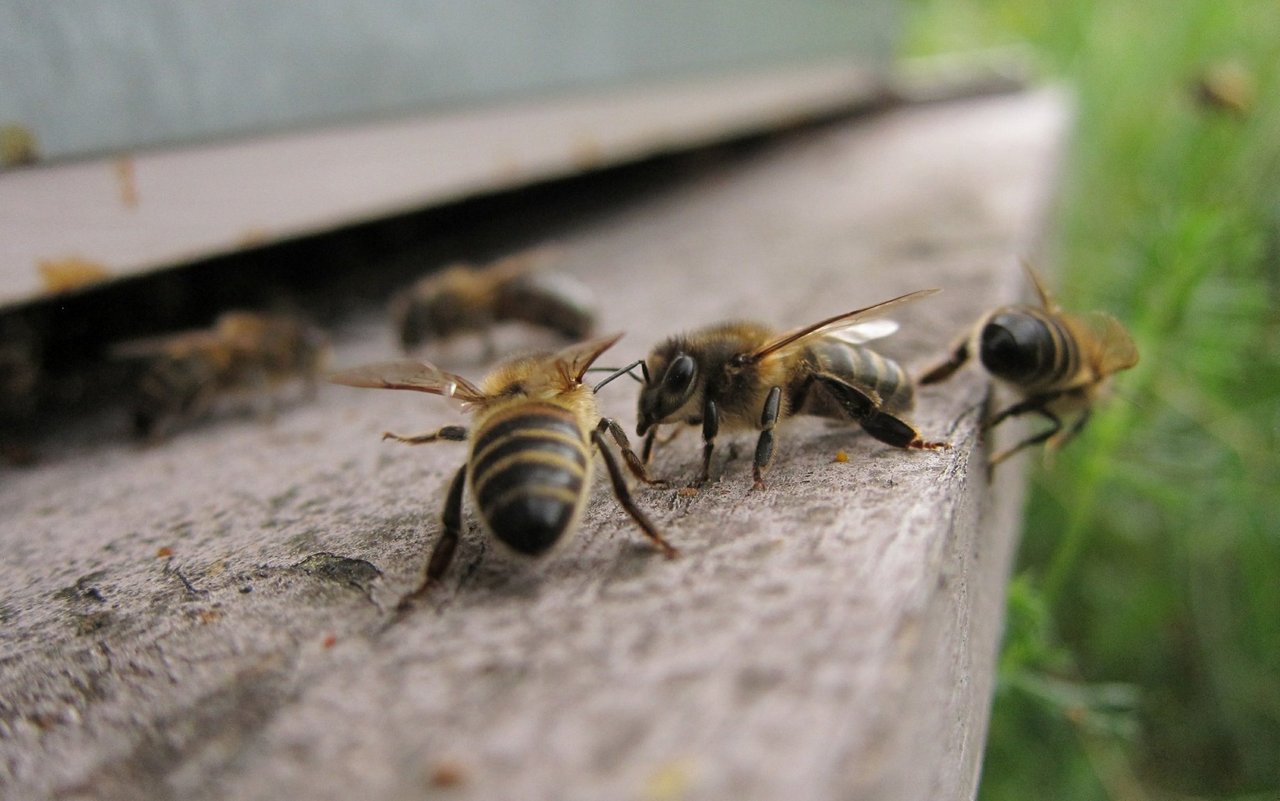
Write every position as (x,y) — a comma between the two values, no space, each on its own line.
(408,374)
(1107,340)
(574,360)
(838,323)
(865,331)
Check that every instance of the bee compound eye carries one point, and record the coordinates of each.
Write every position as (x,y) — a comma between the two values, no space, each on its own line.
(680,373)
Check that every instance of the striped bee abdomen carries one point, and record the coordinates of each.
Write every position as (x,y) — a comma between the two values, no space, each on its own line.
(528,472)
(1028,347)
(865,368)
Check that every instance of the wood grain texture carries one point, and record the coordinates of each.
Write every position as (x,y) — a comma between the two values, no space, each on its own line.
(830,637)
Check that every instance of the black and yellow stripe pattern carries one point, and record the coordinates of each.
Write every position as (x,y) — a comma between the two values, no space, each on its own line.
(529,471)
(1029,347)
(865,368)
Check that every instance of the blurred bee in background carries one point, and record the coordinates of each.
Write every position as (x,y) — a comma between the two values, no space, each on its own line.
(529,460)
(463,299)
(186,373)
(745,376)
(1058,362)
(21,375)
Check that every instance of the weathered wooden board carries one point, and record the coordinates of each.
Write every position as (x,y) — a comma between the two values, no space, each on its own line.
(832,636)
(134,214)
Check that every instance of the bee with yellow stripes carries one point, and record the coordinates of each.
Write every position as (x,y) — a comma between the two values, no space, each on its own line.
(1058,362)
(529,461)
(746,376)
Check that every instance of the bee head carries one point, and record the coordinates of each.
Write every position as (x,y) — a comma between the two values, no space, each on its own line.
(671,379)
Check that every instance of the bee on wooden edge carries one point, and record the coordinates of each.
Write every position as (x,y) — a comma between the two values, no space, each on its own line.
(530,451)
(1058,362)
(745,376)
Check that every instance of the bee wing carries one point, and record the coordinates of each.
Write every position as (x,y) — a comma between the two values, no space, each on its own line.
(574,360)
(840,322)
(1108,340)
(408,374)
(865,331)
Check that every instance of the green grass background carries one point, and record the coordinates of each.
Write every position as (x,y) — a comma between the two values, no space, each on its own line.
(1142,646)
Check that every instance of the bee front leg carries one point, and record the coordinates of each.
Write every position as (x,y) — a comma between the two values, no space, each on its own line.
(943,371)
(442,554)
(449,433)
(634,463)
(624,497)
(710,427)
(764,446)
(651,439)
(646,453)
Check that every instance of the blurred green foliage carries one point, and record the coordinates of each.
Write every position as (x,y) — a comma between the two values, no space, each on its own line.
(1142,647)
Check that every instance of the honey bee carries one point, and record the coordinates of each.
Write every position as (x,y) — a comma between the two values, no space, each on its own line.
(743,375)
(465,299)
(1058,362)
(187,372)
(529,460)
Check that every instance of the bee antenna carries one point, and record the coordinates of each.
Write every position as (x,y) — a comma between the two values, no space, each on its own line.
(625,371)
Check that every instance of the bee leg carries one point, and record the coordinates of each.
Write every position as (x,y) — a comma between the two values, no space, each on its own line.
(624,497)
(1036,403)
(764,445)
(943,371)
(888,428)
(1063,437)
(710,427)
(652,439)
(450,433)
(646,453)
(634,464)
(442,554)
(1035,440)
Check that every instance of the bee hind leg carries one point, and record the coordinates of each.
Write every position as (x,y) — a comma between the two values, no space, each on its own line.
(623,495)
(442,554)
(884,426)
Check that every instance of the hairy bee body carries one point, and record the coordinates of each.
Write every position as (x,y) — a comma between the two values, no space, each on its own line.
(463,299)
(862,367)
(529,469)
(530,451)
(1058,362)
(744,375)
